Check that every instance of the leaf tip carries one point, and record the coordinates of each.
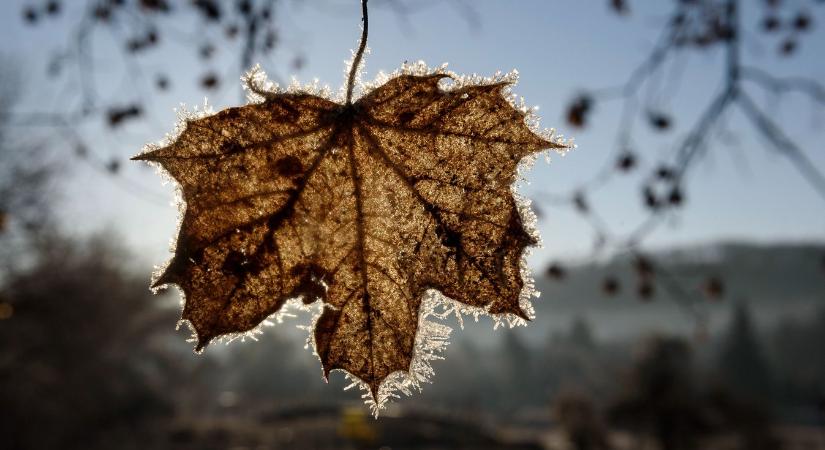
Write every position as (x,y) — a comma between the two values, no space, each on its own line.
(165,278)
(521,314)
(203,341)
(150,155)
(374,387)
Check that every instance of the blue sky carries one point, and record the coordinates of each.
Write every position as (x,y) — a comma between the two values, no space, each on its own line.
(742,190)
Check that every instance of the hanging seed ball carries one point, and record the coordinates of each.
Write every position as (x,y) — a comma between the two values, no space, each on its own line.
(555,271)
(610,286)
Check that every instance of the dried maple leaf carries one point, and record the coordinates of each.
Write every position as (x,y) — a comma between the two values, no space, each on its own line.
(365,206)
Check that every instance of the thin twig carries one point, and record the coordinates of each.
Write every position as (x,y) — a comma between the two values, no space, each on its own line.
(694,143)
(778,85)
(359,54)
(774,134)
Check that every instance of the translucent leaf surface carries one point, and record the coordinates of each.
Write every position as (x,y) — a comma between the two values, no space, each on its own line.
(364,206)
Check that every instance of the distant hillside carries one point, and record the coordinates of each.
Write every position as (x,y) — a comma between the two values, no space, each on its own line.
(758,274)
(777,280)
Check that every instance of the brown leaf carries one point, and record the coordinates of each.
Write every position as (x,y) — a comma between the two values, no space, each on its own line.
(643,266)
(162,82)
(155,5)
(30,15)
(210,80)
(210,9)
(771,23)
(659,121)
(676,197)
(714,288)
(117,115)
(610,286)
(363,206)
(53,7)
(578,110)
(802,22)
(555,271)
(645,289)
(619,6)
(788,47)
(626,161)
(4,221)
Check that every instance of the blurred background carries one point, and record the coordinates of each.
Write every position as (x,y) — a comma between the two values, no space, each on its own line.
(682,275)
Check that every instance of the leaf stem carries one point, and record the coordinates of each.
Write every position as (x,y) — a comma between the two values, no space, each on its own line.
(359,54)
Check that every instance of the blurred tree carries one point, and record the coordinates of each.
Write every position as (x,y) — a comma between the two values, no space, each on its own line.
(574,359)
(581,335)
(660,396)
(517,371)
(25,179)
(269,369)
(741,364)
(578,416)
(83,352)
(799,364)
(749,422)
